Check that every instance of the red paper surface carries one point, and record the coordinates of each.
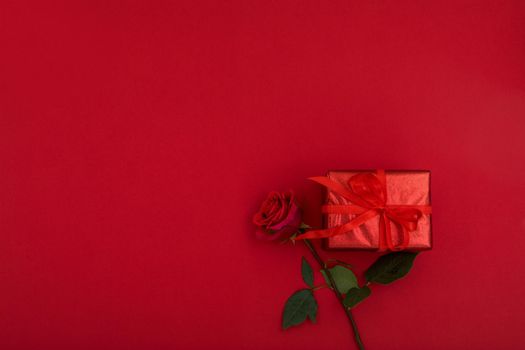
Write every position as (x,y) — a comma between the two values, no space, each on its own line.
(138,139)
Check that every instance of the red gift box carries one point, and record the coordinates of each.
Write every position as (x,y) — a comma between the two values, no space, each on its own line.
(376,210)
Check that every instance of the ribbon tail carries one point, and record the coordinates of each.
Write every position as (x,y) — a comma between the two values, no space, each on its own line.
(389,240)
(335,231)
(388,234)
(340,190)
(382,244)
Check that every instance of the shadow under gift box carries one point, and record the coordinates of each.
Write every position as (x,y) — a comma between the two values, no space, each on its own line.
(404,187)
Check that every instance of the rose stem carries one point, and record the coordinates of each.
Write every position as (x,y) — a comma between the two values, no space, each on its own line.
(337,293)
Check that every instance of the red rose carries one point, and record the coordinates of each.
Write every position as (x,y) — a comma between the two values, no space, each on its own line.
(279,216)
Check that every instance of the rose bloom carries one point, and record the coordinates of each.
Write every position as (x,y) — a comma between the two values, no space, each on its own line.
(279,217)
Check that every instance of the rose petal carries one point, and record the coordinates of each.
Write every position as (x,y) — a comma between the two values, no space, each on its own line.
(278,218)
(292,219)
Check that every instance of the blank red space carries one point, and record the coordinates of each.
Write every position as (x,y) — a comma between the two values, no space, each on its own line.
(138,138)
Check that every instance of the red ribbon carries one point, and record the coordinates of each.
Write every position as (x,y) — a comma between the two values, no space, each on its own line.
(367,192)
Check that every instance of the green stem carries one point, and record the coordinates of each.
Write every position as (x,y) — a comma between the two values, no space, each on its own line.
(319,287)
(348,313)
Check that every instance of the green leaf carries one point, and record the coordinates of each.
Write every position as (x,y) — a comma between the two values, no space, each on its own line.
(298,307)
(344,278)
(356,295)
(308,274)
(390,267)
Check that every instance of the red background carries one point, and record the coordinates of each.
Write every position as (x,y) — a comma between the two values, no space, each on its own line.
(138,138)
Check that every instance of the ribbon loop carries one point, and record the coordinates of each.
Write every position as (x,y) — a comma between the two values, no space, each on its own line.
(368,187)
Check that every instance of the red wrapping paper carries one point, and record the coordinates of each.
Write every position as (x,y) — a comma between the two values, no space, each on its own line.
(403,187)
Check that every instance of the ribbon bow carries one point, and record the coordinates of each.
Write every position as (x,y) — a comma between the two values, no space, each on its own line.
(367,192)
